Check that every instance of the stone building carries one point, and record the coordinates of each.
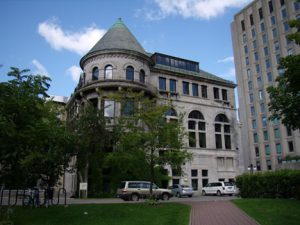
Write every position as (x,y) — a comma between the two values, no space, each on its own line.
(259,41)
(208,101)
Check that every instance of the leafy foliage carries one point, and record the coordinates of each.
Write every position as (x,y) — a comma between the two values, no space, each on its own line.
(33,141)
(278,184)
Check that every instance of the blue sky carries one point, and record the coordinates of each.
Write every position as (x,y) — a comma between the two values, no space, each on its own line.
(50,36)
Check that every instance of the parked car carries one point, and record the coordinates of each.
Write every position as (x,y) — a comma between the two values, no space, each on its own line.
(219,188)
(134,190)
(179,190)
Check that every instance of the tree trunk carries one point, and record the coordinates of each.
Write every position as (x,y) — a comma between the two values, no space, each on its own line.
(151,173)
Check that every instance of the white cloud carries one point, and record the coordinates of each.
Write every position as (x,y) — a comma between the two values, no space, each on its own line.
(40,69)
(75,41)
(225,60)
(199,9)
(74,72)
(230,75)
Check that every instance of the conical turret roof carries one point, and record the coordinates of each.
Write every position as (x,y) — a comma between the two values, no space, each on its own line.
(118,37)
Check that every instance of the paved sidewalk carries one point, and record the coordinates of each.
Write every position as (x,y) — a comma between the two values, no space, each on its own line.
(218,213)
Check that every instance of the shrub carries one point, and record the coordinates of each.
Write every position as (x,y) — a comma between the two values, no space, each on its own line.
(275,184)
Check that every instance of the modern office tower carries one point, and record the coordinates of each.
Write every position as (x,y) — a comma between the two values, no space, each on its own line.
(259,41)
(118,62)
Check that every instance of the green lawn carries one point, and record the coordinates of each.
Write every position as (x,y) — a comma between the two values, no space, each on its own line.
(105,214)
(271,211)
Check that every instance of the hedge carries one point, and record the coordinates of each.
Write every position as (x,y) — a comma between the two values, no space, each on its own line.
(275,184)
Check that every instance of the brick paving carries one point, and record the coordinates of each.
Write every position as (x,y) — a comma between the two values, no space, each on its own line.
(218,213)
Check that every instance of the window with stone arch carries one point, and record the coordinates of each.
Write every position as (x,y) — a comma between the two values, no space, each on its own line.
(222,132)
(171,115)
(95,73)
(108,72)
(129,73)
(196,129)
(142,76)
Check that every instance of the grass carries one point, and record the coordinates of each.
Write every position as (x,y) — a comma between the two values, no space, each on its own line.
(271,211)
(104,214)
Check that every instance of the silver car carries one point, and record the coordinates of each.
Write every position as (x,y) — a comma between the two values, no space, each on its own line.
(179,190)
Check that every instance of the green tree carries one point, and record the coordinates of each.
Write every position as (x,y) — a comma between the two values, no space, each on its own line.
(34,143)
(285,97)
(93,141)
(149,138)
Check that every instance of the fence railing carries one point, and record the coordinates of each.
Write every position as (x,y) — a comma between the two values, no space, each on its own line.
(33,197)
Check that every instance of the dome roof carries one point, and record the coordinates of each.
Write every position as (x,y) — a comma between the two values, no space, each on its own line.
(118,37)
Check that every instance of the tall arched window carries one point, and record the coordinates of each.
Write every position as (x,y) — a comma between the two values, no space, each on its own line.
(142,76)
(95,73)
(197,129)
(129,73)
(222,132)
(108,72)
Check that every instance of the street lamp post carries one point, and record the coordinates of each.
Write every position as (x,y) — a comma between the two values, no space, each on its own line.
(251,168)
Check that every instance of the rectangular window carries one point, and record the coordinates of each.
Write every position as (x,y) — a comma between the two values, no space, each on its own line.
(286,27)
(290,51)
(201,126)
(262,107)
(267,149)
(218,127)
(256,56)
(278,57)
(274,32)
(266,51)
(224,95)
(296,6)
(259,81)
(109,108)
(253,113)
(194,173)
(270,77)
(162,83)
(284,13)
(172,85)
(264,121)
(255,138)
(128,108)
(257,68)
(218,141)
(251,20)
(254,44)
(273,20)
(216,93)
(269,164)
(268,65)
(270,6)
(291,146)
(243,25)
(204,91)
(192,139)
(249,73)
(246,49)
(202,140)
(185,88)
(278,148)
(254,126)
(195,89)
(191,125)
(281,2)
(260,12)
(256,151)
(227,141)
(276,46)
(258,166)
(266,135)
(251,98)
(247,61)
(288,131)
(204,173)
(195,184)
(276,133)
(262,27)
(244,38)
(261,94)
(253,32)
(264,39)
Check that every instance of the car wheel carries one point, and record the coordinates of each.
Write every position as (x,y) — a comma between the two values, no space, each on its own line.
(135,197)
(190,196)
(219,193)
(165,196)
(203,193)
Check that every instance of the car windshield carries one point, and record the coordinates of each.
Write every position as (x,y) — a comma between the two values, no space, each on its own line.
(228,184)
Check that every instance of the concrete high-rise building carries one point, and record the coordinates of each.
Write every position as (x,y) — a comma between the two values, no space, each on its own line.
(118,61)
(259,41)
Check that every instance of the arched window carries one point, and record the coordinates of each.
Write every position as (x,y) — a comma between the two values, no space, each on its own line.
(222,132)
(142,76)
(197,129)
(129,73)
(95,73)
(171,112)
(108,72)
